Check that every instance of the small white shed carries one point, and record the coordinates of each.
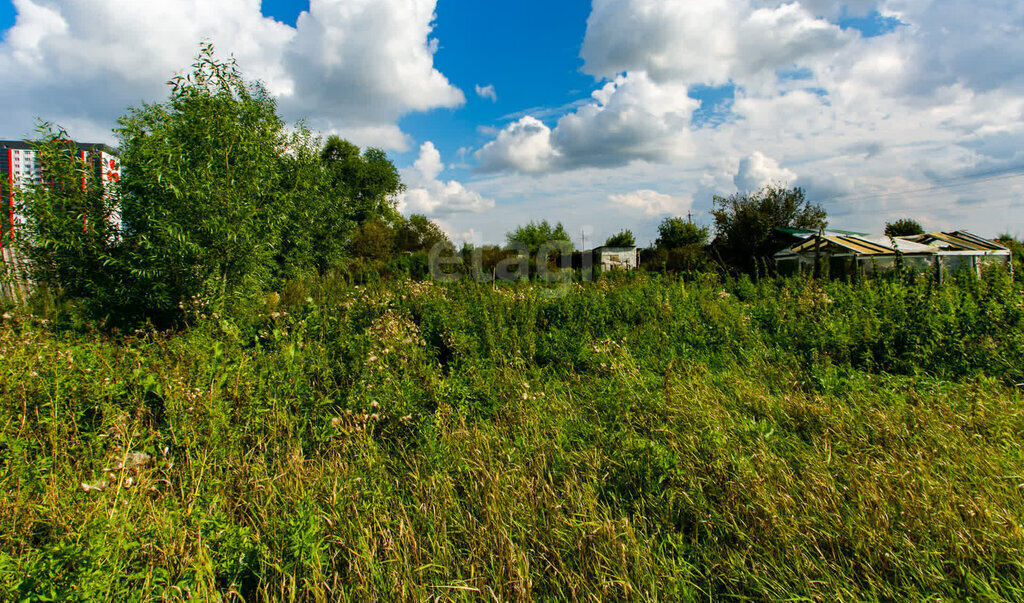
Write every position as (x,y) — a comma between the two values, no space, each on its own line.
(623,258)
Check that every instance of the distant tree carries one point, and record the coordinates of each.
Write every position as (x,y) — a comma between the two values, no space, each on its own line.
(674,233)
(417,233)
(1016,247)
(904,227)
(679,246)
(489,256)
(363,186)
(535,234)
(374,240)
(745,224)
(688,258)
(541,236)
(624,238)
(332,189)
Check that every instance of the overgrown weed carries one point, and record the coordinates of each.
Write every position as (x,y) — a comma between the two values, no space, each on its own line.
(636,439)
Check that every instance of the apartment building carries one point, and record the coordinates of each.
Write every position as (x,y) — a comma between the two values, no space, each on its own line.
(20,167)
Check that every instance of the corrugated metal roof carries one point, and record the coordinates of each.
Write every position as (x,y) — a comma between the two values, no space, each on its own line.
(930,243)
(901,244)
(958,240)
(850,243)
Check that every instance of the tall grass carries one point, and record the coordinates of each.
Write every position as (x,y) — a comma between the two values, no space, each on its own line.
(634,438)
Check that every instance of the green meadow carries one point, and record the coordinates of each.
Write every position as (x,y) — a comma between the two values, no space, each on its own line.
(635,438)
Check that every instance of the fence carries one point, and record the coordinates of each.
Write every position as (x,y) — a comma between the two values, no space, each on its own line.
(14,284)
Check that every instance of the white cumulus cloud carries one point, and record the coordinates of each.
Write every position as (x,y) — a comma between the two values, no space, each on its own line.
(703,41)
(757,170)
(524,146)
(653,203)
(357,62)
(426,194)
(83,62)
(631,118)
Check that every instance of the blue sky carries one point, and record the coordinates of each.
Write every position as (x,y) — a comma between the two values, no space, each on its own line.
(283,11)
(541,71)
(603,115)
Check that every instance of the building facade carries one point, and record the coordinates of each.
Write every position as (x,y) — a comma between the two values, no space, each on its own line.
(20,168)
(622,258)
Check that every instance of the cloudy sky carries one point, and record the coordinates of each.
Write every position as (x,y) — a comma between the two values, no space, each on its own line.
(603,115)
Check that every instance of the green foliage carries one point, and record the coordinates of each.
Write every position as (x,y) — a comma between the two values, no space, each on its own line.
(680,247)
(624,238)
(688,259)
(364,185)
(745,225)
(674,233)
(219,201)
(417,233)
(904,227)
(70,234)
(1016,248)
(334,191)
(638,438)
(489,257)
(373,240)
(338,189)
(201,193)
(414,265)
(535,234)
(315,230)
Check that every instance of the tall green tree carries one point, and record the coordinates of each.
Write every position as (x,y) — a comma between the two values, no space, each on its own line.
(680,246)
(535,234)
(364,186)
(904,227)
(311,240)
(336,190)
(745,236)
(326,222)
(417,233)
(674,233)
(623,238)
(374,240)
(202,186)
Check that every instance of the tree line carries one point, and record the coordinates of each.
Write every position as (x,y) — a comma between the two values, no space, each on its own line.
(745,235)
